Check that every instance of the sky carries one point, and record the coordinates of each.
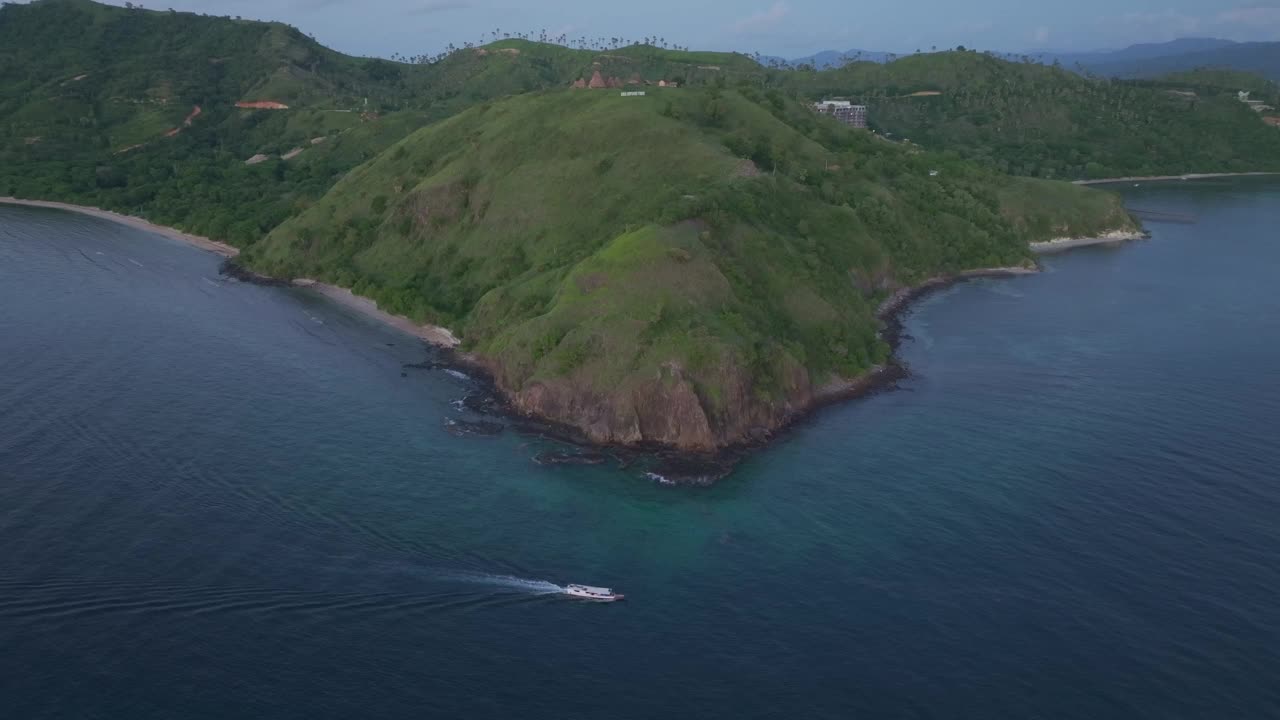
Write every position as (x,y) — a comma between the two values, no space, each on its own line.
(789,28)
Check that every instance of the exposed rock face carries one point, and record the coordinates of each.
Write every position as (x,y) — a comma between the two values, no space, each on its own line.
(597,81)
(669,410)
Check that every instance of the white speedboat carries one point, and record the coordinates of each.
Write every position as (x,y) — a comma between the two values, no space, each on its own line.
(597,594)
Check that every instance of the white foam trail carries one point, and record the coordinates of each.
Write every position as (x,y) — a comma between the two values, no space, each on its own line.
(459,375)
(536,587)
(661,480)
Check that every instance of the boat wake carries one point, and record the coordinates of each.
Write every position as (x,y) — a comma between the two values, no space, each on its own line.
(512,583)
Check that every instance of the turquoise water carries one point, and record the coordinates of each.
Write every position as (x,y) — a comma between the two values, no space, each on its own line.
(221,500)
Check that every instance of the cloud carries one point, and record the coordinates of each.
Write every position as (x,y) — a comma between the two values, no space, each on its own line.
(1254,17)
(763,20)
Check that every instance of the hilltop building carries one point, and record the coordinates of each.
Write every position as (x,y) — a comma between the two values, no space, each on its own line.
(844,111)
(597,82)
(600,82)
(1257,106)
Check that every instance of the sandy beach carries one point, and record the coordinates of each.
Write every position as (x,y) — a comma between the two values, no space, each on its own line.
(1060,244)
(1153,178)
(430,333)
(363,305)
(203,243)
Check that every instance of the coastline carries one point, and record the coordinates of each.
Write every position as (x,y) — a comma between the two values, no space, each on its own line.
(892,307)
(1114,237)
(1187,176)
(680,466)
(434,334)
(198,241)
(439,336)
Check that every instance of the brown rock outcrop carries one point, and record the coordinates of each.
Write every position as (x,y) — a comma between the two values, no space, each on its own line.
(668,409)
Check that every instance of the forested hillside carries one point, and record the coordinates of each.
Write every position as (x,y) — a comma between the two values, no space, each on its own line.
(1029,119)
(135,110)
(1217,82)
(689,268)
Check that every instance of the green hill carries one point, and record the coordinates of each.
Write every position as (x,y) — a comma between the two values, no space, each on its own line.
(83,70)
(90,96)
(690,268)
(93,100)
(1030,119)
(1219,84)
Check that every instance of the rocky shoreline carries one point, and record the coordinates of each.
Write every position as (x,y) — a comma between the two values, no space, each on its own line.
(672,466)
(490,409)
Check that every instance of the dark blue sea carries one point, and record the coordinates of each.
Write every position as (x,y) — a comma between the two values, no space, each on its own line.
(219,500)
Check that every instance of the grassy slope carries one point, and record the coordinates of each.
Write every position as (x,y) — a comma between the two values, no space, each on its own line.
(685,267)
(511,67)
(1029,119)
(728,243)
(1223,83)
(144,70)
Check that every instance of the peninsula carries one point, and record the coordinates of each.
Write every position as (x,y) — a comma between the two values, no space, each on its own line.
(678,252)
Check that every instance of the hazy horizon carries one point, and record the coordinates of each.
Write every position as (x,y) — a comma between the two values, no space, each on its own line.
(786,28)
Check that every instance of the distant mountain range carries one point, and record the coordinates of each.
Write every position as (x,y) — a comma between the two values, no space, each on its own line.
(828,59)
(1262,58)
(1136,61)
(1132,54)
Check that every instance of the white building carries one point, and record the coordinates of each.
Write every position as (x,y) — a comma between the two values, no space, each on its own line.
(844,111)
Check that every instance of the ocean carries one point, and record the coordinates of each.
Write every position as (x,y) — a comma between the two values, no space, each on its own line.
(223,500)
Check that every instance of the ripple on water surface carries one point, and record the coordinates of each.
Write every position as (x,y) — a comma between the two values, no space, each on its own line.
(221,500)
